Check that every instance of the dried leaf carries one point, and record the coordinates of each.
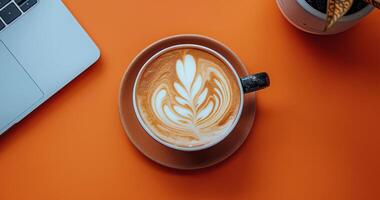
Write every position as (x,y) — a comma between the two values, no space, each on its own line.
(335,10)
(375,3)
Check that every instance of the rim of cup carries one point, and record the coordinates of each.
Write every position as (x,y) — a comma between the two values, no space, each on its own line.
(168,144)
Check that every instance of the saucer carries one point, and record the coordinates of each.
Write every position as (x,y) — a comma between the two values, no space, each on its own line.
(170,157)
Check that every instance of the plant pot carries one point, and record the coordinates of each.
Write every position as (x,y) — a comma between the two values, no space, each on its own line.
(306,18)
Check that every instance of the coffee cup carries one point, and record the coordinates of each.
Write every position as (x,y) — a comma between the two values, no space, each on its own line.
(189,97)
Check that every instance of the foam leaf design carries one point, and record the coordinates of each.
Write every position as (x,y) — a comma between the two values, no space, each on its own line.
(182,111)
(181,100)
(196,86)
(181,91)
(189,107)
(186,71)
(202,97)
(188,88)
(336,9)
(206,111)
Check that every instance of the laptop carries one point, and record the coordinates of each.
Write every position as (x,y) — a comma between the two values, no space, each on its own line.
(42,48)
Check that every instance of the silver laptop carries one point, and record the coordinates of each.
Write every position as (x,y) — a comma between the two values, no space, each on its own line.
(42,48)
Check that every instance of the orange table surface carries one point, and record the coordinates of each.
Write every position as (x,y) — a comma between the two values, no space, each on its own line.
(317,128)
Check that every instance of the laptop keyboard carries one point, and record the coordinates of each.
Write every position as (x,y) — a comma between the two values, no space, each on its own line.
(10,10)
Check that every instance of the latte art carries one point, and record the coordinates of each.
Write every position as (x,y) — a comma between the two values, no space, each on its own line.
(195,110)
(188,97)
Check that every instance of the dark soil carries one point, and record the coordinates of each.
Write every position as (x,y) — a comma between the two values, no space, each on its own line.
(321,5)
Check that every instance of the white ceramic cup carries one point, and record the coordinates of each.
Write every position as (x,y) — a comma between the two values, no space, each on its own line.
(246,84)
(306,18)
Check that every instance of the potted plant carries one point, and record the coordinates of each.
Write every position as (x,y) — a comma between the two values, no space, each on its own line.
(326,16)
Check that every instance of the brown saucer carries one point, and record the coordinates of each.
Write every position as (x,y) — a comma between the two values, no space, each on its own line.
(175,158)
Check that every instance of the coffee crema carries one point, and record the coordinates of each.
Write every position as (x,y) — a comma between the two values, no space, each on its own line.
(188,97)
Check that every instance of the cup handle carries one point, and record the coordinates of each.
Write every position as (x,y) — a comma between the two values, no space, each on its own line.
(255,82)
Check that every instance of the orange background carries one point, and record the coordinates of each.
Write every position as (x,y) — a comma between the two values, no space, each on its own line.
(316,134)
